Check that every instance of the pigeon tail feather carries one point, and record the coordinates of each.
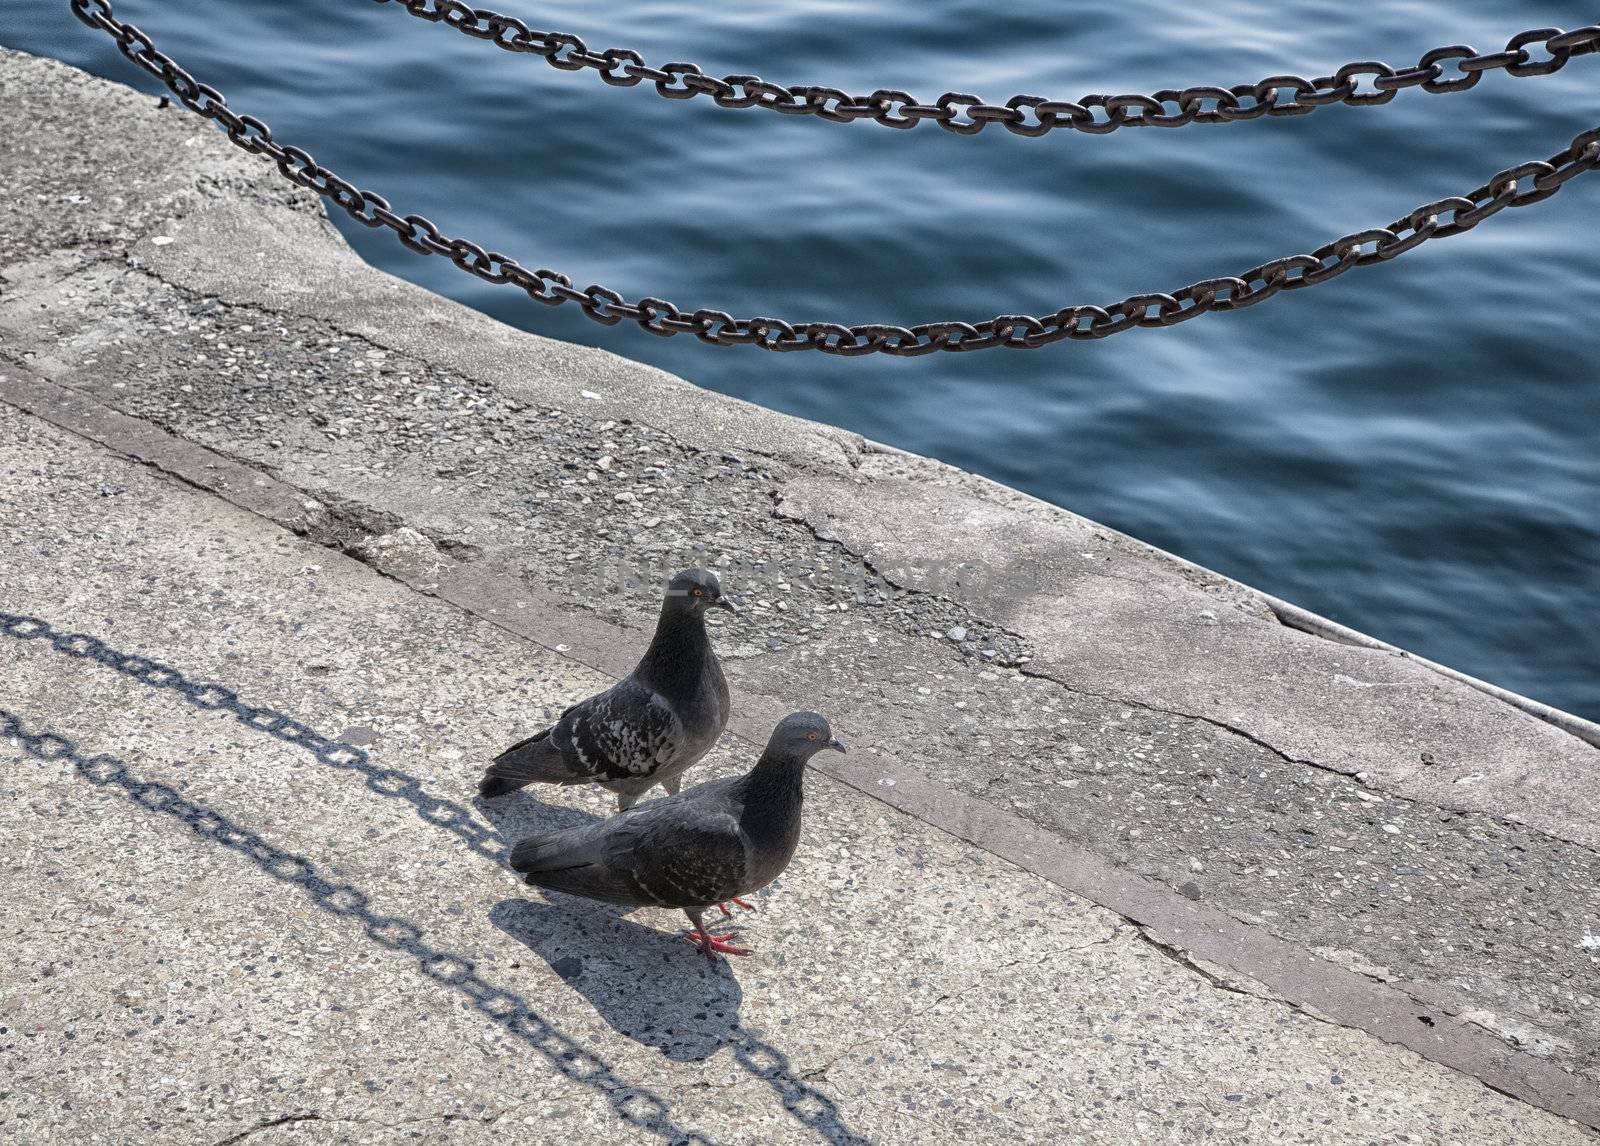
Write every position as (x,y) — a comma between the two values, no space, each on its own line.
(555,851)
(535,758)
(573,861)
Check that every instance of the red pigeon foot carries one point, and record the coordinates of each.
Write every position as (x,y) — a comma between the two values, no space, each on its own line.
(710,944)
(723,907)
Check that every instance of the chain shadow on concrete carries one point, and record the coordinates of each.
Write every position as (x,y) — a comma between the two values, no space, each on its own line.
(390,783)
(635,1105)
(762,1060)
(636,988)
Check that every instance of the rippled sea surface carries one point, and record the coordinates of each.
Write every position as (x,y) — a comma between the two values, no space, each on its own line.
(1413,449)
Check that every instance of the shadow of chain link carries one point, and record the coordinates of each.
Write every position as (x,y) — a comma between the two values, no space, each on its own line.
(388,782)
(636,1106)
(806,1103)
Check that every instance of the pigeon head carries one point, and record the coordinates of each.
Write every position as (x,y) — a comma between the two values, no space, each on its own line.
(803,735)
(695,591)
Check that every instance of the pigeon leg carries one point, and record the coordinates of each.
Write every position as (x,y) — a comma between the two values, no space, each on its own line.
(626,800)
(708,943)
(673,785)
(723,907)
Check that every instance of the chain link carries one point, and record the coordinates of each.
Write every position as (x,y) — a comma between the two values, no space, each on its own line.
(1365,83)
(1516,186)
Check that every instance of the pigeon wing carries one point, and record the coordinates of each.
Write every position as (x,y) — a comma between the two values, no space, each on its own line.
(626,732)
(684,855)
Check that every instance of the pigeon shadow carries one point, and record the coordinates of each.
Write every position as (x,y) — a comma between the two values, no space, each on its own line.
(648,985)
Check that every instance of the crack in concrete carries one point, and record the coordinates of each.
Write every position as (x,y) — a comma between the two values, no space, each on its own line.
(1025,669)
(1188,962)
(1215,722)
(282,1120)
(364,1120)
(1041,675)
(1038,674)
(1357,775)
(776,496)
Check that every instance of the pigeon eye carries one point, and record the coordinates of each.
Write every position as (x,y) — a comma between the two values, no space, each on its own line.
(811,736)
(698,592)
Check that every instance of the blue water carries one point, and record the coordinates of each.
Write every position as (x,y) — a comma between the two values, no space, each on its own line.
(1413,449)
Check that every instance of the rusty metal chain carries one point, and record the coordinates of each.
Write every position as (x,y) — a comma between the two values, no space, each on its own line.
(1514,187)
(1364,83)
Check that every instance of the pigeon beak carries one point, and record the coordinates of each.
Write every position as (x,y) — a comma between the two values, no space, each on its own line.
(725,603)
(836,746)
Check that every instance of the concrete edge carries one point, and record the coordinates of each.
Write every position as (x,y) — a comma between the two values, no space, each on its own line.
(1289,614)
(1181,928)
(1315,624)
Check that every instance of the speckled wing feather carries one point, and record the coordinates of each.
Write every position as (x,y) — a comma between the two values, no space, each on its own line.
(679,852)
(685,854)
(624,733)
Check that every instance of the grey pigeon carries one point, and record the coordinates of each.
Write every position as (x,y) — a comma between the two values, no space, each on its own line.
(649,727)
(717,841)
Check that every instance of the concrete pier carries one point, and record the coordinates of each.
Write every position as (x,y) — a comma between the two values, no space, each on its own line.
(1118,856)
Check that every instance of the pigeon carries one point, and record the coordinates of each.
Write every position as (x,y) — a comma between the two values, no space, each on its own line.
(718,840)
(649,727)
